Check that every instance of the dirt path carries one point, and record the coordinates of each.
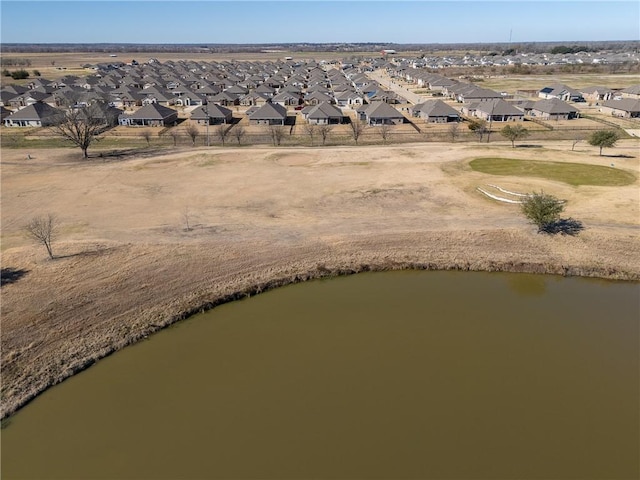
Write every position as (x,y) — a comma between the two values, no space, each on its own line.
(126,264)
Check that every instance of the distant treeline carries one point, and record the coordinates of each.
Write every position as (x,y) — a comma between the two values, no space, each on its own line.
(15,62)
(521,47)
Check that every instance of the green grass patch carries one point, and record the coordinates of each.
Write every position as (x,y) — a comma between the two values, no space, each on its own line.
(572,173)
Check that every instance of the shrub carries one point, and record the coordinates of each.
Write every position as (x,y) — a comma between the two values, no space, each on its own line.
(542,209)
(19,74)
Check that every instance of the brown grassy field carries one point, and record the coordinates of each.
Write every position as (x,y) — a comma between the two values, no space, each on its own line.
(126,265)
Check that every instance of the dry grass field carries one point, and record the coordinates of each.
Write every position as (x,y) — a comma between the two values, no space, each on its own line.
(126,264)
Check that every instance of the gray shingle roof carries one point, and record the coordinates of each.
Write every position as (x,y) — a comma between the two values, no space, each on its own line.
(35,111)
(553,106)
(624,104)
(382,110)
(436,108)
(153,111)
(269,111)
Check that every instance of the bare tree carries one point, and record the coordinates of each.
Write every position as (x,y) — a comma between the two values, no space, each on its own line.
(310,129)
(277,133)
(82,125)
(453,132)
(186,216)
(42,229)
(385,131)
(146,134)
(173,133)
(238,133)
(357,129)
(324,131)
(193,133)
(576,140)
(222,132)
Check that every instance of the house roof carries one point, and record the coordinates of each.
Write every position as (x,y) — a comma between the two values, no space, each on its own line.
(436,108)
(269,111)
(35,111)
(624,104)
(633,89)
(600,90)
(212,111)
(553,106)
(559,89)
(324,110)
(381,110)
(153,111)
(496,107)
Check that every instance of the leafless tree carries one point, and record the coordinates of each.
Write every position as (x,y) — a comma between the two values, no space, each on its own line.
(453,132)
(193,133)
(222,132)
(238,133)
(385,131)
(324,131)
(576,140)
(277,133)
(311,129)
(186,216)
(82,125)
(42,229)
(174,134)
(357,129)
(146,134)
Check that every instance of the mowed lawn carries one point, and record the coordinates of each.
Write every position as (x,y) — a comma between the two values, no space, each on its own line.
(572,173)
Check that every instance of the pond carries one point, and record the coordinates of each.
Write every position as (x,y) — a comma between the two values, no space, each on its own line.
(411,374)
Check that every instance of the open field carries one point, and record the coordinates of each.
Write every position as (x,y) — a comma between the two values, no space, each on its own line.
(260,217)
(511,83)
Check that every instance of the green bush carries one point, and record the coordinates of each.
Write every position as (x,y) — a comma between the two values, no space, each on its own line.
(19,74)
(542,209)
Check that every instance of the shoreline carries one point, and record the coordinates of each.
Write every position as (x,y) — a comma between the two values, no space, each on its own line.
(119,330)
(126,266)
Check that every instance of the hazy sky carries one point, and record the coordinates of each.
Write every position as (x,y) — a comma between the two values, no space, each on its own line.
(238,21)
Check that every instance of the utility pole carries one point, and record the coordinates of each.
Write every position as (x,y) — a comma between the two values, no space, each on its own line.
(493,105)
(206,112)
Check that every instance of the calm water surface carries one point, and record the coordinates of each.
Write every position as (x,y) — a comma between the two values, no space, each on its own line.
(381,375)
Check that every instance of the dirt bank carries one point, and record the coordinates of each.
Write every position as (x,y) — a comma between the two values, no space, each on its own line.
(127,265)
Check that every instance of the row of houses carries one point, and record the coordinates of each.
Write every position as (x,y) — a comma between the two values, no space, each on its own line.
(267,89)
(218,86)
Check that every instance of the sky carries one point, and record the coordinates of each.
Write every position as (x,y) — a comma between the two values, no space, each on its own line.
(309,21)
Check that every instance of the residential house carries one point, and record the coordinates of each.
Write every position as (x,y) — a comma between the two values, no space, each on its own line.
(380,113)
(225,99)
(562,92)
(496,110)
(151,115)
(253,98)
(285,99)
(316,98)
(435,111)
(215,114)
(34,115)
(269,114)
(349,98)
(631,92)
(552,109)
(625,107)
(597,94)
(323,114)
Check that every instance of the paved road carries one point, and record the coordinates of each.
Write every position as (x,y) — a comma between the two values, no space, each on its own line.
(383,79)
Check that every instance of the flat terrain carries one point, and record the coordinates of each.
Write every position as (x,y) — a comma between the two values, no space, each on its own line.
(127,264)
